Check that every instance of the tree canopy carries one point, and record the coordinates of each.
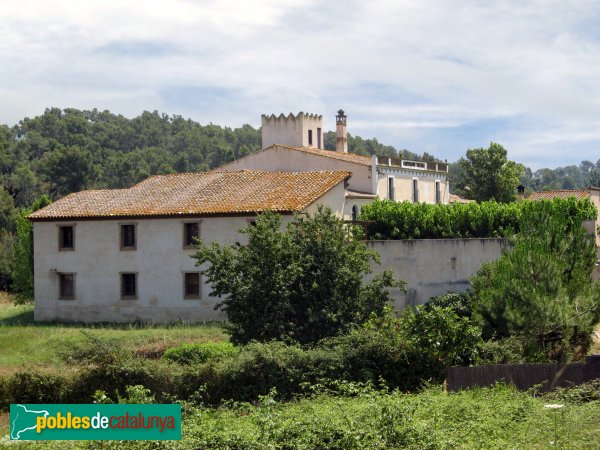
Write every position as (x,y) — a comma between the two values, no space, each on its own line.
(488,174)
(300,283)
(541,290)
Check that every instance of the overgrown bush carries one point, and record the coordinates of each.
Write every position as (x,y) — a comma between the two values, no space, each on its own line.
(189,354)
(406,220)
(541,290)
(23,260)
(299,284)
(510,350)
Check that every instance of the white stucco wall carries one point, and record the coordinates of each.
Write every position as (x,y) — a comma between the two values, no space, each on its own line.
(433,267)
(284,159)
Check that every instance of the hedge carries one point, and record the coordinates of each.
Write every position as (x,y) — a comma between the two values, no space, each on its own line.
(406,220)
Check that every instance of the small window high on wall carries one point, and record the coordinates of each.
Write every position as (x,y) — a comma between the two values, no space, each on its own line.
(438,191)
(391,193)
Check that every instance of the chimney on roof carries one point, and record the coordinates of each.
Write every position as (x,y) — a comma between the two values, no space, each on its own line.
(341,138)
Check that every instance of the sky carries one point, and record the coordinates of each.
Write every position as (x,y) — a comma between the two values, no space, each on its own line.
(432,76)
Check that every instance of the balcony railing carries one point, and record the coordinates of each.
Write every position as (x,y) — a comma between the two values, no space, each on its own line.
(432,166)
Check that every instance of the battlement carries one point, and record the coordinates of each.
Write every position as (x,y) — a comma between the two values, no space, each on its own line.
(299,130)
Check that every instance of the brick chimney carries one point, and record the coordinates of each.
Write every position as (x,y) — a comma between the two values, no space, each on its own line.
(520,193)
(341,138)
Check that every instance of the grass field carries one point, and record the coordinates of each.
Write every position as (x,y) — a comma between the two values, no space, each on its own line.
(26,344)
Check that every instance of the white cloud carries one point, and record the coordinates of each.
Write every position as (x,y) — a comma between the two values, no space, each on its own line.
(437,76)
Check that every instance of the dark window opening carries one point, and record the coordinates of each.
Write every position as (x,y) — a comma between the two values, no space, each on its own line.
(438,192)
(354,212)
(415,191)
(67,286)
(192,285)
(128,236)
(66,238)
(191,231)
(391,188)
(128,285)
(319,138)
(309,137)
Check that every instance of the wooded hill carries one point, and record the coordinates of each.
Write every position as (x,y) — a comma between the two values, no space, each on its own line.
(67,150)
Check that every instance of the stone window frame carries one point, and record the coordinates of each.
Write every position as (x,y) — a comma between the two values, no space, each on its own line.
(122,247)
(184,223)
(121,290)
(60,227)
(61,296)
(187,296)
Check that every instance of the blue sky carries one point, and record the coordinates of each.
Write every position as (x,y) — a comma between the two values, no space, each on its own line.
(428,75)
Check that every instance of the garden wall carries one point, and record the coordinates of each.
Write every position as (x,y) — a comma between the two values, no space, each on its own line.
(432,267)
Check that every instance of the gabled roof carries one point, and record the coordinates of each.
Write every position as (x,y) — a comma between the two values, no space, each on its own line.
(349,157)
(208,193)
(579,194)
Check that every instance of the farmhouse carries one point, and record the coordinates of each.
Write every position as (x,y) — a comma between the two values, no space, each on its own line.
(124,254)
(295,143)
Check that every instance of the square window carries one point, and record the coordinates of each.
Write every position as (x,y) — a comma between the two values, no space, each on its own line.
(128,238)
(66,286)
(191,285)
(129,286)
(66,237)
(191,231)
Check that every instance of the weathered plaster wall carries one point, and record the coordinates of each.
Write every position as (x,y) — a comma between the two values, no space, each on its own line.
(432,267)
(292,130)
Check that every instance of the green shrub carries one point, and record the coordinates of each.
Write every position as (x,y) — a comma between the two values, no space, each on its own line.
(188,354)
(459,302)
(35,387)
(580,394)
(505,351)
(406,220)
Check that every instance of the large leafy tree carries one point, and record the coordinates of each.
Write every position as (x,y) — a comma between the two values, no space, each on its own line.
(488,174)
(541,290)
(23,247)
(300,283)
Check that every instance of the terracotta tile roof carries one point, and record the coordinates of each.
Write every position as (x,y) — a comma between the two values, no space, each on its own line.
(207,193)
(579,194)
(349,157)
